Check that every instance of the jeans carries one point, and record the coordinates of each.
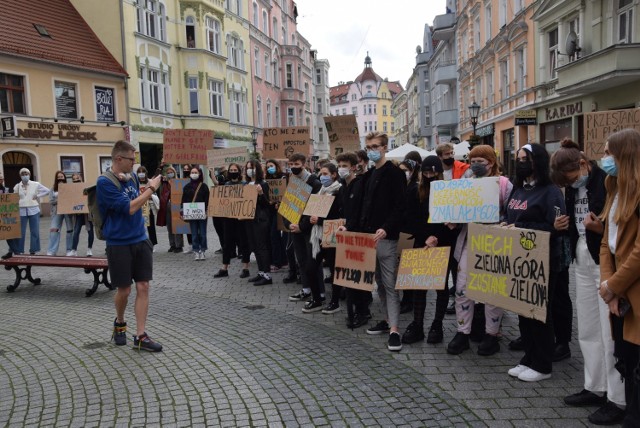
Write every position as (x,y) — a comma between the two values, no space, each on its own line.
(34,227)
(386,273)
(54,233)
(199,235)
(14,245)
(81,220)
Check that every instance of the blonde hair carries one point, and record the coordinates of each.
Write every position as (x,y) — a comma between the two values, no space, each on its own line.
(624,146)
(384,138)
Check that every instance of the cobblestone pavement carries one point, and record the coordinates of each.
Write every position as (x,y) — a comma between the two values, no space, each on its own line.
(239,355)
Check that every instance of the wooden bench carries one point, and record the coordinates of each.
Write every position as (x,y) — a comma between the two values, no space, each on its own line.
(22,264)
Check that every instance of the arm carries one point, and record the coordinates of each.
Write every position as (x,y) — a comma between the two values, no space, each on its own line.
(42,191)
(606,258)
(627,274)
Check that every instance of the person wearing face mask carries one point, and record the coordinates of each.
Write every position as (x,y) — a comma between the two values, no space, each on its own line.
(79,221)
(278,241)
(186,172)
(57,219)
(363,162)
(411,170)
(176,240)
(152,207)
(197,191)
(30,193)
(218,179)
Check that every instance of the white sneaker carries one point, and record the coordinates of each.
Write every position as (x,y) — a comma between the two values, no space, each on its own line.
(187,250)
(50,253)
(515,372)
(154,248)
(89,252)
(70,253)
(202,257)
(197,257)
(531,375)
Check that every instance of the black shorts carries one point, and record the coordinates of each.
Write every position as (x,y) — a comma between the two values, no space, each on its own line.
(130,263)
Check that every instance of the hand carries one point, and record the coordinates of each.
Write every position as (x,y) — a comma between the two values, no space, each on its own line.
(155,181)
(431,241)
(606,294)
(313,219)
(259,187)
(613,306)
(451,226)
(380,234)
(561,223)
(342,229)
(593,223)
(294,228)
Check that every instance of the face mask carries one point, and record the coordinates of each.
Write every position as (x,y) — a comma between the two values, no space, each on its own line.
(479,169)
(296,170)
(194,177)
(448,162)
(326,180)
(142,175)
(408,175)
(61,180)
(25,178)
(343,172)
(524,169)
(609,166)
(234,175)
(580,182)
(171,175)
(250,172)
(374,155)
(271,170)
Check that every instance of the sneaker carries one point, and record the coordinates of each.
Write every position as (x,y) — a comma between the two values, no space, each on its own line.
(186,250)
(7,255)
(414,333)
(451,309)
(221,273)
(144,343)
(255,278)
(312,306)
(489,345)
(609,414)
(274,268)
(171,249)
(119,333)
(263,281)
(515,372)
(381,327)
(50,253)
(218,251)
(245,273)
(75,253)
(585,398)
(394,344)
(331,308)
(197,256)
(561,352)
(436,333)
(70,253)
(357,321)
(531,375)
(178,250)
(90,253)
(300,295)
(202,257)
(458,344)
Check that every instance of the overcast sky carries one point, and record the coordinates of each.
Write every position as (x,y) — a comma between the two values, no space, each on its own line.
(342,31)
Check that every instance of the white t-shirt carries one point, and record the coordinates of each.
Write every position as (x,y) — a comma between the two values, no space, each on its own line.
(613,227)
(581,209)
(448,174)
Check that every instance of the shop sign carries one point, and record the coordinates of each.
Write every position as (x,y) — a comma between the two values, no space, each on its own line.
(59,131)
(563,111)
(526,117)
(485,131)
(8,126)
(105,105)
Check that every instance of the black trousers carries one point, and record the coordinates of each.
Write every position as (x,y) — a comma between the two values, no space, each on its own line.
(300,243)
(291,255)
(235,236)
(151,229)
(314,275)
(628,364)
(258,236)
(562,309)
(420,305)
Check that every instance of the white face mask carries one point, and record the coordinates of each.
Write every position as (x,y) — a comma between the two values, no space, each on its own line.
(25,178)
(407,174)
(344,172)
(195,176)
(141,175)
(250,172)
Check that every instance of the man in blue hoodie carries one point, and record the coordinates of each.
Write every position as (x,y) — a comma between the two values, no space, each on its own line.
(129,251)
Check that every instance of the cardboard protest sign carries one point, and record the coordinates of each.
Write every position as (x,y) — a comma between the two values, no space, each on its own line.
(465,201)
(235,201)
(178,225)
(329,230)
(294,200)
(194,211)
(280,143)
(186,145)
(223,157)
(509,268)
(277,189)
(146,211)
(71,199)
(10,216)
(355,260)
(599,125)
(343,133)
(423,269)
(318,205)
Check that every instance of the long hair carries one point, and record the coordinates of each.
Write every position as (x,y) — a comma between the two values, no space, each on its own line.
(566,159)
(55,180)
(486,152)
(414,169)
(258,175)
(624,146)
(540,158)
(278,173)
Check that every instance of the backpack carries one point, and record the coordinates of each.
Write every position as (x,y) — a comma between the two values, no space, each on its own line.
(92,203)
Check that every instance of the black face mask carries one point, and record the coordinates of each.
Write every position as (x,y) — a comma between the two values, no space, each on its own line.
(296,171)
(234,175)
(479,170)
(62,181)
(524,169)
(448,162)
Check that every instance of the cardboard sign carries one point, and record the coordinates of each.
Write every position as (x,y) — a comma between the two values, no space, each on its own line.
(329,230)
(355,260)
(318,205)
(186,145)
(280,143)
(10,216)
(194,211)
(599,125)
(223,157)
(277,189)
(178,225)
(71,199)
(234,201)
(294,200)
(468,200)
(509,268)
(343,133)
(146,211)
(423,269)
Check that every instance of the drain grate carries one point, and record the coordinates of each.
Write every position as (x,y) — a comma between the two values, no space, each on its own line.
(94,345)
(254,307)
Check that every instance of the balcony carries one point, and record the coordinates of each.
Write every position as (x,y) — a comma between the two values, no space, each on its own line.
(607,68)
(446,73)
(444,26)
(446,118)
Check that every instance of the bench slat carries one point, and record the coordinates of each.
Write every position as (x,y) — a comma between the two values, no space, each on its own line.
(79,262)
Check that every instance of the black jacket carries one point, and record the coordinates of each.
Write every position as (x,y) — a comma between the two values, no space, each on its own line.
(351,202)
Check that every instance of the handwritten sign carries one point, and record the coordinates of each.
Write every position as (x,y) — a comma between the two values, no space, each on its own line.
(599,125)
(10,216)
(194,211)
(178,225)
(71,199)
(355,260)
(423,269)
(234,201)
(146,213)
(105,104)
(509,268)
(280,143)
(223,157)
(277,189)
(465,201)
(186,145)
(329,230)
(294,200)
(318,205)
(343,133)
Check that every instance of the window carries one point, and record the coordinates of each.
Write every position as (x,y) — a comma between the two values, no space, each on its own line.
(154,89)
(239,7)
(353,97)
(12,94)
(238,107)
(574,25)
(393,127)
(320,134)
(236,52)
(487,23)
(502,13)
(364,109)
(319,106)
(151,18)
(190,30)
(256,62)
(625,21)
(384,126)
(66,100)
(71,165)
(369,107)
(289,75)
(521,69)
(384,110)
(375,126)
(265,22)
(278,116)
(374,109)
(213,35)
(318,76)
(306,91)
(517,6)
(259,110)
(344,111)
(552,40)
(366,129)
(266,67)
(256,16)
(299,85)
(354,111)
(215,98)
(269,113)
(285,36)
(276,80)
(274,29)
(479,90)
(476,33)
(291,116)
(504,78)
(193,95)
(490,87)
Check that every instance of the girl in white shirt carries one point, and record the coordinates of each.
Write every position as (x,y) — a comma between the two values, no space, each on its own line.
(30,193)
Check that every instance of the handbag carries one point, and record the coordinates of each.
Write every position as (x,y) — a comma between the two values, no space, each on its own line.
(194,210)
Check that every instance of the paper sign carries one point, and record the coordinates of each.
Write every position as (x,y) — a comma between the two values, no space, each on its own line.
(186,145)
(465,200)
(277,189)
(71,199)
(329,230)
(294,200)
(194,211)
(343,133)
(318,205)
(223,157)
(423,269)
(355,260)
(280,143)
(10,216)
(599,125)
(178,225)
(509,268)
(234,201)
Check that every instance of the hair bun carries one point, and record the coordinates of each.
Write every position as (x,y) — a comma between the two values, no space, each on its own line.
(568,143)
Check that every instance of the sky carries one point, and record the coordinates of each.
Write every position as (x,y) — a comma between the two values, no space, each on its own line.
(342,31)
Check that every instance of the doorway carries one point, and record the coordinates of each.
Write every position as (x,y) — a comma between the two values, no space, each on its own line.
(150,156)
(12,163)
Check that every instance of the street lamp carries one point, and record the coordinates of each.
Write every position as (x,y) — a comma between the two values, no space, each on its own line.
(474,111)
(254,138)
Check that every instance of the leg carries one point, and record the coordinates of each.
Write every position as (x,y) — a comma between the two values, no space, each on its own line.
(562,309)
(203,235)
(34,229)
(68,222)
(195,239)
(54,233)
(141,306)
(387,259)
(464,305)
(24,220)
(120,299)
(89,226)
(77,227)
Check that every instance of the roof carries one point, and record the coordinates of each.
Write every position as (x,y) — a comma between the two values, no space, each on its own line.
(337,92)
(72,42)
(395,88)
(368,74)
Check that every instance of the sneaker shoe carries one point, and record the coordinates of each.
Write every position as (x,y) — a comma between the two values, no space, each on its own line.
(75,253)
(186,250)
(263,281)
(394,344)
(171,249)
(515,372)
(300,295)
(458,344)
(70,253)
(178,250)
(144,343)
(561,352)
(451,309)
(7,255)
(609,414)
(119,333)
(585,398)
(436,333)
(357,321)
(381,327)
(489,345)
(531,375)
(50,253)
(414,333)
(202,257)
(197,256)
(255,278)
(90,253)
(274,268)
(312,306)
(516,344)
(331,308)
(245,273)
(221,273)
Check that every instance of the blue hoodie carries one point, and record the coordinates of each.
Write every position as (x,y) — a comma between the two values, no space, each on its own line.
(118,226)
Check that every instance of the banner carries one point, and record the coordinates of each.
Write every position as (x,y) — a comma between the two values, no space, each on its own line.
(234,201)
(280,143)
(186,145)
(343,133)
(329,230)
(178,225)
(355,260)
(423,269)
(509,268)
(223,157)
(71,199)
(277,189)
(294,200)
(194,211)
(318,205)
(467,200)
(599,125)
(10,215)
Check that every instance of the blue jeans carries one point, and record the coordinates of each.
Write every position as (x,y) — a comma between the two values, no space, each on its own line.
(34,227)
(14,245)
(81,220)
(198,235)
(54,232)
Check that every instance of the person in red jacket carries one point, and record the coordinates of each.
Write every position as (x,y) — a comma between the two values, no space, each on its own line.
(453,169)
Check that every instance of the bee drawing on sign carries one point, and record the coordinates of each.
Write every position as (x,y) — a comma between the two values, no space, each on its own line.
(528,240)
